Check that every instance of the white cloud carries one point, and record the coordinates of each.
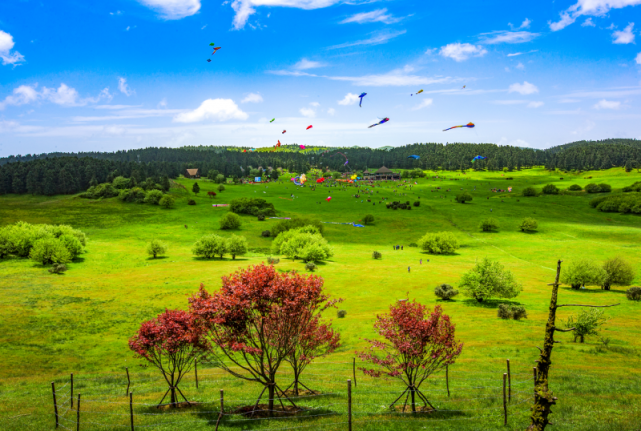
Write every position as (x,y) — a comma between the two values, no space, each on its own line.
(173,9)
(515,54)
(520,66)
(124,88)
(379,15)
(625,36)
(213,109)
(589,8)
(308,112)
(305,64)
(331,111)
(162,103)
(607,104)
(508,37)
(525,24)
(638,58)
(63,96)
(525,88)
(315,104)
(395,78)
(349,99)
(252,98)
(535,104)
(21,96)
(424,104)
(588,23)
(245,8)
(462,51)
(376,39)
(6,45)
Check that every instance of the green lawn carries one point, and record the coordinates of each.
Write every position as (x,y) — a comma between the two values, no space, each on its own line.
(80,322)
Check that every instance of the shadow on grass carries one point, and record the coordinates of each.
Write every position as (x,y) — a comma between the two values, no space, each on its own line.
(596,291)
(151,258)
(488,303)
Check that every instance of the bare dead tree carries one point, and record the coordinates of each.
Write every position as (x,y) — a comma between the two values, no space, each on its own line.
(544,399)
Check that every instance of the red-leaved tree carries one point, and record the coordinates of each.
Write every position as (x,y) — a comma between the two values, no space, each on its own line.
(316,339)
(171,342)
(416,345)
(256,319)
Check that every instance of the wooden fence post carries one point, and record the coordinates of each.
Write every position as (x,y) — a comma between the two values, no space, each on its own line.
(196,371)
(504,400)
(447,379)
(128,381)
(509,382)
(222,408)
(131,408)
(55,405)
(78,415)
(349,405)
(354,371)
(71,390)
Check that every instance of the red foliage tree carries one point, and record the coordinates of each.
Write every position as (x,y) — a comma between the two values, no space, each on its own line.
(256,320)
(172,343)
(211,194)
(417,344)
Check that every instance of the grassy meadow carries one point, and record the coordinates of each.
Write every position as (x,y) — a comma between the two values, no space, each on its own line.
(80,321)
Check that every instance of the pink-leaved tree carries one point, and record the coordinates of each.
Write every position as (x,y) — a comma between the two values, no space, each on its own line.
(416,344)
(172,343)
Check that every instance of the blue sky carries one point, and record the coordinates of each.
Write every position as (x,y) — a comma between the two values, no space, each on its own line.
(133,73)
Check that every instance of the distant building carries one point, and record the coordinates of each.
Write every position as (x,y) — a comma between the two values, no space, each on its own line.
(192,173)
(382,174)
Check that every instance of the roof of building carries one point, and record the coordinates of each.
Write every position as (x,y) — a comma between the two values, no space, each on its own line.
(383,170)
(192,171)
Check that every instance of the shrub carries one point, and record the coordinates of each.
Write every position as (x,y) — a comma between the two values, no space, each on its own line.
(252,206)
(106,190)
(368,219)
(528,224)
(634,294)
(550,189)
(439,243)
(301,244)
(236,245)
(58,268)
(509,311)
(310,266)
(295,223)
(417,204)
(583,272)
(341,313)
(445,291)
(230,221)
(221,188)
(156,248)
(489,279)
(273,260)
(593,188)
(220,178)
(210,246)
(463,197)
(266,233)
(489,225)
(72,244)
(132,195)
(49,250)
(412,244)
(261,217)
(376,255)
(153,197)
(195,188)
(605,188)
(529,191)
(575,188)
(121,183)
(191,202)
(587,323)
(618,272)
(167,202)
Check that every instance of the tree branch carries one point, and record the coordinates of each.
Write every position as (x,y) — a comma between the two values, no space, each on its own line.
(581,305)
(564,330)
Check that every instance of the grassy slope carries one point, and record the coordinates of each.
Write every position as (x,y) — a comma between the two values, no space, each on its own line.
(80,321)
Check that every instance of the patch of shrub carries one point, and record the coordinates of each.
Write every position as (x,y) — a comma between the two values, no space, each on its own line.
(550,189)
(634,294)
(529,191)
(341,313)
(191,202)
(412,244)
(156,248)
(121,183)
(463,197)
(58,268)
(598,188)
(509,311)
(618,272)
(132,195)
(310,266)
(376,255)
(273,260)
(368,219)
(153,197)
(106,190)
(445,291)
(489,224)
(266,233)
(221,188)
(622,203)
(575,188)
(605,188)
(252,206)
(260,217)
(417,204)
(439,243)
(528,224)
(230,221)
(167,202)
(636,187)
(210,246)
(295,223)
(49,250)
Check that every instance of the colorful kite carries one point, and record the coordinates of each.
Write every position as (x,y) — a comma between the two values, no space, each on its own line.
(329,198)
(509,189)
(383,121)
(414,157)
(209,60)
(278,145)
(303,179)
(302,147)
(320,180)
(244,151)
(463,87)
(418,92)
(284,131)
(216,49)
(468,125)
(272,120)
(309,127)
(354,176)
(361,102)
(478,158)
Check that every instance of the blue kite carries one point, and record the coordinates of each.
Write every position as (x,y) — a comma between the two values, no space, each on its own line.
(360,105)
(478,158)
(414,157)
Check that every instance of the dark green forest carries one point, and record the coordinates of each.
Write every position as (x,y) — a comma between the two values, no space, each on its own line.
(68,173)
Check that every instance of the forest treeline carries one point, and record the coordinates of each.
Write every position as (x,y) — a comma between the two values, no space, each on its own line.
(68,173)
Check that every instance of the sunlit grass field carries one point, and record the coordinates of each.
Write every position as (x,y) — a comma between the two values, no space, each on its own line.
(80,322)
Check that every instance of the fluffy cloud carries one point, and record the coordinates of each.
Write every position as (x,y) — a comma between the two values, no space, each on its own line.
(245,8)
(525,88)
(308,112)
(535,104)
(252,98)
(624,36)
(515,54)
(379,15)
(21,96)
(424,104)
(508,37)
(638,58)
(589,8)
(173,9)
(588,23)
(395,78)
(376,39)
(6,45)
(462,51)
(331,111)
(213,109)
(607,104)
(124,88)
(305,64)
(525,24)
(63,96)
(350,99)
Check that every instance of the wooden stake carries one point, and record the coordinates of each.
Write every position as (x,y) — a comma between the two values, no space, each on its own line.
(196,371)
(128,381)
(349,405)
(354,371)
(131,407)
(504,400)
(78,414)
(55,405)
(71,390)
(447,380)
(222,404)
(509,382)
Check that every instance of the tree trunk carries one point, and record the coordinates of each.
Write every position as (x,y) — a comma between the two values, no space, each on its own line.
(413,400)
(479,299)
(271,399)
(173,397)
(233,257)
(582,338)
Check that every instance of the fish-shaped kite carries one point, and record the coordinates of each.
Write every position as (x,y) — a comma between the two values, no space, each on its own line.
(468,125)
(209,60)
(216,49)
(309,127)
(278,145)
(284,131)
(463,87)
(272,120)
(414,157)
(361,102)
(383,121)
(418,92)
(478,158)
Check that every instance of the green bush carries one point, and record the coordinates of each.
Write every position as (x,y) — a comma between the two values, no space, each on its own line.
(605,188)
(132,195)
(167,202)
(58,268)
(221,188)
(575,188)
(417,203)
(156,248)
(550,189)
(121,183)
(587,323)
(528,224)
(489,224)
(49,250)
(261,217)
(210,246)
(252,206)
(618,272)
(376,255)
(295,223)
(368,219)
(72,244)
(19,239)
(341,313)
(236,246)
(439,243)
(463,197)
(489,279)
(191,202)
(106,190)
(310,266)
(273,260)
(230,221)
(634,294)
(583,272)
(445,291)
(598,188)
(529,191)
(153,197)
(509,311)
(302,244)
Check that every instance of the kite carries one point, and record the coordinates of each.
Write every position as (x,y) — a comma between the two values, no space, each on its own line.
(308,127)
(414,157)
(468,125)
(464,87)
(284,132)
(272,120)
(418,92)
(244,151)
(303,179)
(302,147)
(361,102)
(209,60)
(329,198)
(509,189)
(296,181)
(384,120)
(278,145)
(354,176)
(320,180)
(216,49)
(212,44)
(478,158)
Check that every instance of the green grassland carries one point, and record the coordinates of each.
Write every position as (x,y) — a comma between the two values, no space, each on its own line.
(52,325)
